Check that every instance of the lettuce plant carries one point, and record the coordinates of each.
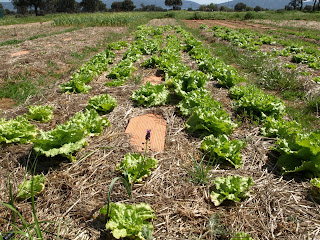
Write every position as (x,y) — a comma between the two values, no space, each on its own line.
(300,153)
(187,81)
(136,167)
(222,149)
(75,86)
(199,98)
(102,103)
(89,121)
(18,130)
(24,189)
(255,102)
(232,188)
(316,183)
(40,113)
(150,95)
(71,136)
(206,121)
(63,140)
(117,45)
(87,72)
(129,221)
(280,128)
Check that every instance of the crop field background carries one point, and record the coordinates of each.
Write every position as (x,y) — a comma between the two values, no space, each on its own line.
(66,60)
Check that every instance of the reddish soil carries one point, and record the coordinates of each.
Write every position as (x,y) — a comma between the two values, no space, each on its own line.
(16,54)
(6,103)
(153,79)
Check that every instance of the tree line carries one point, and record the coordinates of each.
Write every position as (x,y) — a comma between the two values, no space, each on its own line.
(41,7)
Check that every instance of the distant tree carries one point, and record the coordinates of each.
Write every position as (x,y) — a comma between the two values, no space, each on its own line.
(258,9)
(69,6)
(314,5)
(308,8)
(92,5)
(21,6)
(213,7)
(37,5)
(224,9)
(240,7)
(288,7)
(249,8)
(294,4)
(116,6)
(49,6)
(126,5)
(152,8)
(1,6)
(176,4)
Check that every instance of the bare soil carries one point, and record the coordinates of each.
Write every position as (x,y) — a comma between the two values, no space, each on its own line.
(290,23)
(227,23)
(279,207)
(53,52)
(25,31)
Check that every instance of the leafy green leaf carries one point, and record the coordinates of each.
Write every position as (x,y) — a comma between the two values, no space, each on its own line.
(40,113)
(230,188)
(255,102)
(129,221)
(136,166)
(18,130)
(90,121)
(187,81)
(300,153)
(195,99)
(24,189)
(150,95)
(242,236)
(222,149)
(280,128)
(210,121)
(102,103)
(63,140)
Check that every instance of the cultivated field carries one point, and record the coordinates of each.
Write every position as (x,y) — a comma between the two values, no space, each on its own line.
(239,97)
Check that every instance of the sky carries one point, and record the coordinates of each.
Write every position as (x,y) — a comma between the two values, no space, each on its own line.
(198,1)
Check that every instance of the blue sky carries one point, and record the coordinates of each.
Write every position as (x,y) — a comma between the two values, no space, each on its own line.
(198,1)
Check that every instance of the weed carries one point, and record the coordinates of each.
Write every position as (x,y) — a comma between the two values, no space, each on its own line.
(217,229)
(198,171)
(137,79)
(19,89)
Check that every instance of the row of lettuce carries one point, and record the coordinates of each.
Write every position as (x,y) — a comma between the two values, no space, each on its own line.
(251,40)
(205,118)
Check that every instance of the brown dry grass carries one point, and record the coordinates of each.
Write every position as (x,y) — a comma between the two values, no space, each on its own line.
(279,208)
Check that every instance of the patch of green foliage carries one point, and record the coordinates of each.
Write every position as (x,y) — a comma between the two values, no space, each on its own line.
(40,113)
(129,220)
(254,102)
(24,189)
(102,103)
(150,95)
(232,188)
(220,149)
(18,130)
(136,167)
(71,136)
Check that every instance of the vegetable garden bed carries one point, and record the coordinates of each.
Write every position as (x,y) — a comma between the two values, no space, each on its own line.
(190,190)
